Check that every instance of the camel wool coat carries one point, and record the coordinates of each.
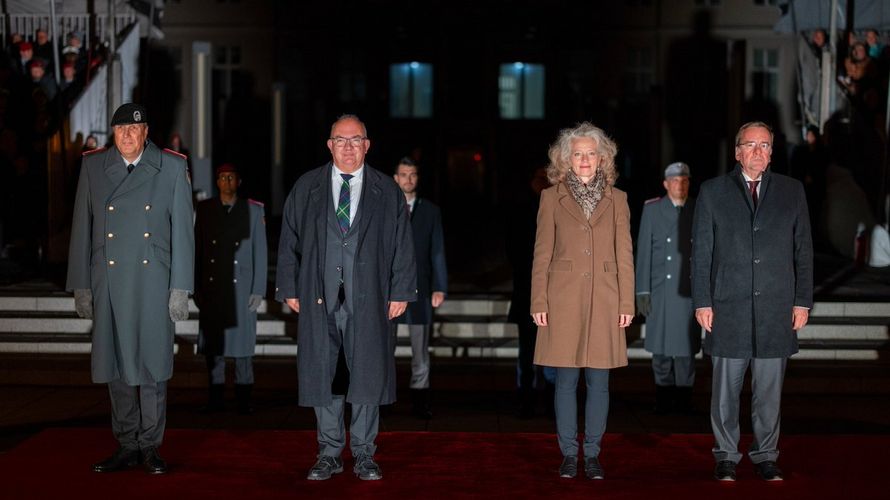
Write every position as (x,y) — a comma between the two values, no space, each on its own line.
(583,278)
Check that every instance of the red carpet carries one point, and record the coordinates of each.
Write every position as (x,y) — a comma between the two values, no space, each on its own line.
(273,464)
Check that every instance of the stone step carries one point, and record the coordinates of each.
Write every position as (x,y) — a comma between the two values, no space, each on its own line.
(276,345)
(67,324)
(453,306)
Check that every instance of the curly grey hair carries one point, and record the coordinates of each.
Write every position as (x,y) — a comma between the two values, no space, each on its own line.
(561,152)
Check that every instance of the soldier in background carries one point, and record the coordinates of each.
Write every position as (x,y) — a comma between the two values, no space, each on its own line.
(230,283)
(664,292)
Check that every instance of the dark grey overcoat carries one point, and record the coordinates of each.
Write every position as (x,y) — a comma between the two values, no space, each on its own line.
(752,267)
(131,243)
(663,270)
(384,272)
(230,266)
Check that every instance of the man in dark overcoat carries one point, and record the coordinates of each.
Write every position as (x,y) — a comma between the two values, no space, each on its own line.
(230,283)
(131,267)
(752,285)
(346,266)
(432,283)
(664,291)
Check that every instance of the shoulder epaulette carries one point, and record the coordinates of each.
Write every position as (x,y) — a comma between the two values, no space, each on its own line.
(177,153)
(651,200)
(254,202)
(85,153)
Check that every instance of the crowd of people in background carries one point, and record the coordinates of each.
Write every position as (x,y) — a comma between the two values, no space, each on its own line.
(34,101)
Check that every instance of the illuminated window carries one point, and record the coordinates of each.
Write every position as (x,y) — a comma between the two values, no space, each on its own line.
(411,90)
(521,91)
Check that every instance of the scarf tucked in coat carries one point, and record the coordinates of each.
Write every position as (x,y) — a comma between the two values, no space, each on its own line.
(587,195)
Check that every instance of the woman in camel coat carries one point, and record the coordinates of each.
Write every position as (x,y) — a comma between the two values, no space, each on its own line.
(582,285)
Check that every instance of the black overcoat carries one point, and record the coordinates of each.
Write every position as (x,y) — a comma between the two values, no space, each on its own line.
(384,272)
(752,266)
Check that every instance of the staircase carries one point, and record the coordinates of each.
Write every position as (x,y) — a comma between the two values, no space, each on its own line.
(467,326)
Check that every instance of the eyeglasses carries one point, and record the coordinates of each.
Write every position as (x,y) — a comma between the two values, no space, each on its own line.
(763,146)
(355,142)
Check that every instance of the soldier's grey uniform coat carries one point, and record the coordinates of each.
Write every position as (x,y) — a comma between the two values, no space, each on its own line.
(384,271)
(664,251)
(230,266)
(132,242)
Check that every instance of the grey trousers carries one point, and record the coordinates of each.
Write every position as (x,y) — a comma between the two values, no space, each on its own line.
(138,414)
(673,370)
(420,356)
(365,422)
(767,376)
(596,409)
(216,368)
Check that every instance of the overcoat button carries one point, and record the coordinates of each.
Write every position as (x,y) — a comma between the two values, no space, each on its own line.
(111,235)
(111,208)
(145,261)
(110,262)
(318,301)
(146,235)
(148,207)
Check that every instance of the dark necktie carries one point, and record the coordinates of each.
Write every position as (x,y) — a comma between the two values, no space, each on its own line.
(343,204)
(753,186)
(130,168)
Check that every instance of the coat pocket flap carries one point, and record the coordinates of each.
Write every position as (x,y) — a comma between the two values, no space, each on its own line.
(561,265)
(610,267)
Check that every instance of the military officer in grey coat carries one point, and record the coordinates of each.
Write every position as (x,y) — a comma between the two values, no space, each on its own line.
(130,266)
(432,279)
(230,283)
(346,266)
(752,284)
(664,292)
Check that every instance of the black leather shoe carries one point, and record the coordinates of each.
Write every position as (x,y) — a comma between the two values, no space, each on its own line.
(324,468)
(569,467)
(366,468)
(769,471)
(152,461)
(593,469)
(121,459)
(725,470)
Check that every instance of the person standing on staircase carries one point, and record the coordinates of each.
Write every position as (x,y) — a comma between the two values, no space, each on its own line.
(230,283)
(131,268)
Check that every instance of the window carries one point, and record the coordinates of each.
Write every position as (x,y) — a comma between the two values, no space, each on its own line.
(639,72)
(765,74)
(521,91)
(411,90)
(226,63)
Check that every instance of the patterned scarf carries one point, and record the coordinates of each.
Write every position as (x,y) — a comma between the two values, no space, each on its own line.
(587,195)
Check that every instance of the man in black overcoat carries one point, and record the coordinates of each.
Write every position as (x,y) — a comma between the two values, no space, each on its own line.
(346,266)
(752,263)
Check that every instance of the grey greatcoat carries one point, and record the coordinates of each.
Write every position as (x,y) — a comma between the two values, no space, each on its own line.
(384,271)
(664,251)
(752,267)
(230,266)
(131,243)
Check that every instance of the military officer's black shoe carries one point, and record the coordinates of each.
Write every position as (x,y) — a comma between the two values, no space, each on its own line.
(152,462)
(121,459)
